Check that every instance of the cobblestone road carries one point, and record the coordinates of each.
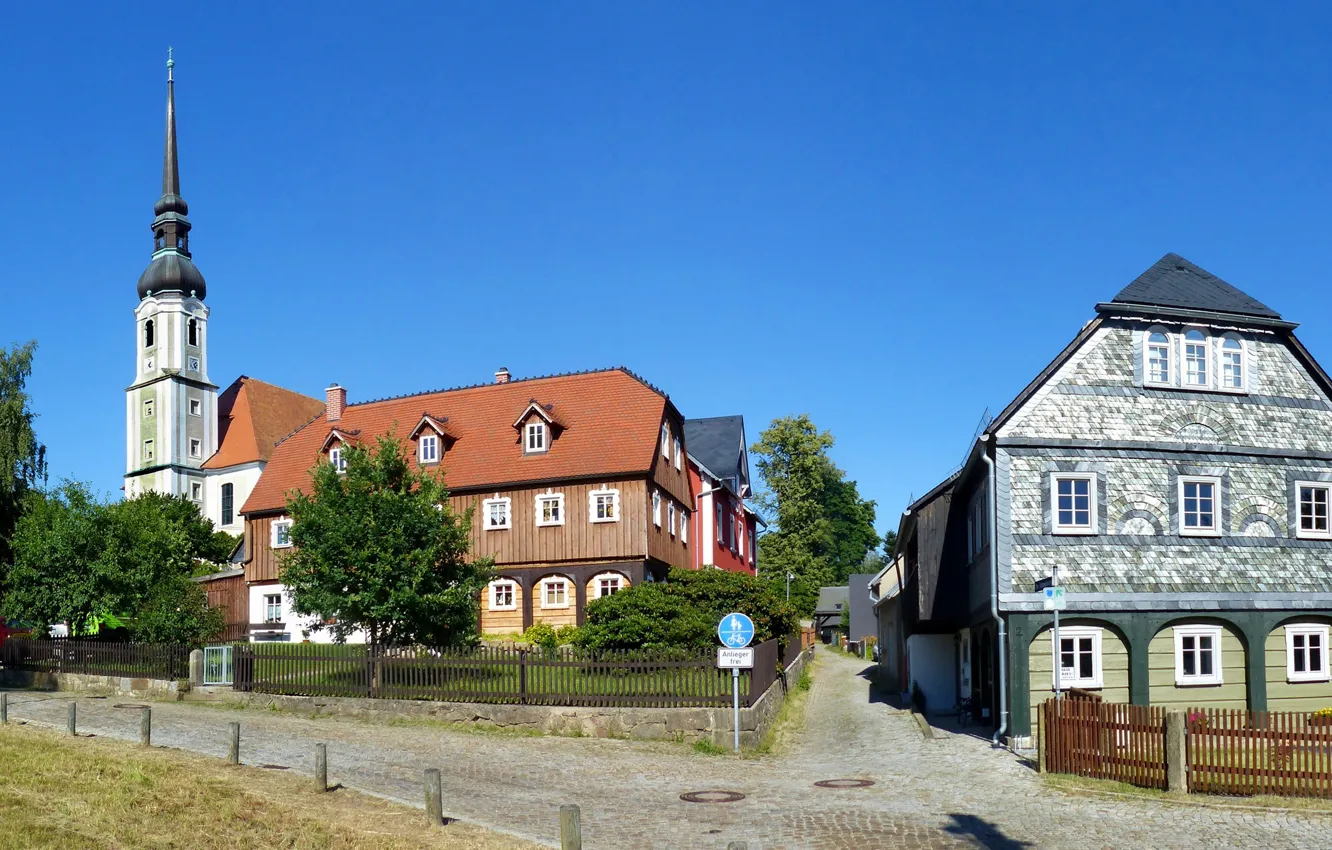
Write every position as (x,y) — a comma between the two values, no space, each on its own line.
(955,792)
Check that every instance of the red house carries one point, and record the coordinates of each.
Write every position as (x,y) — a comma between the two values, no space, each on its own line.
(725,528)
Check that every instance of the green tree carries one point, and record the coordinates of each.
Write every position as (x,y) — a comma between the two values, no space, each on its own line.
(378,548)
(820,528)
(22,457)
(56,574)
(890,545)
(176,610)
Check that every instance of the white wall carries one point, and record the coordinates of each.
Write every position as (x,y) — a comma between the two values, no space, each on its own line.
(294,625)
(931,662)
(243,478)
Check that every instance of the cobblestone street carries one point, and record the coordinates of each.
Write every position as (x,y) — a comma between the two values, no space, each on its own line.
(954,792)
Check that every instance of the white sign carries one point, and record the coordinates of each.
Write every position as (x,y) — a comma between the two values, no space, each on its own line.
(735,659)
(1054,599)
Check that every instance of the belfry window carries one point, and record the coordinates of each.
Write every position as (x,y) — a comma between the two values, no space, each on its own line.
(148,334)
(160,239)
(192,330)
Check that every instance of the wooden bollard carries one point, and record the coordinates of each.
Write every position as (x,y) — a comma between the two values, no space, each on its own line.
(321,767)
(571,828)
(146,726)
(4,707)
(233,744)
(72,723)
(434,793)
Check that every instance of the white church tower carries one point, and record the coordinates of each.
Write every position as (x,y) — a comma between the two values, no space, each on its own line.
(171,407)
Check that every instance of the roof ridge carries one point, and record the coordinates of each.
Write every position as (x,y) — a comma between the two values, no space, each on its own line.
(575,374)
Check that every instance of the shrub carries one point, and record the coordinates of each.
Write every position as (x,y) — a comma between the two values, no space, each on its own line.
(719,592)
(644,617)
(542,635)
(566,635)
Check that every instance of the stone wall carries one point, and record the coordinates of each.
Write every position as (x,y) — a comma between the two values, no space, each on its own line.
(645,724)
(94,685)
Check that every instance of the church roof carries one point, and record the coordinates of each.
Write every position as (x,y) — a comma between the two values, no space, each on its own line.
(253,417)
(1175,282)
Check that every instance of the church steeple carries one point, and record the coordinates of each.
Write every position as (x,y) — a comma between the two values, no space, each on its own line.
(171,270)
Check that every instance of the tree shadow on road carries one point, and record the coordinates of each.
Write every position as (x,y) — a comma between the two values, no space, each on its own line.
(982,833)
(879,691)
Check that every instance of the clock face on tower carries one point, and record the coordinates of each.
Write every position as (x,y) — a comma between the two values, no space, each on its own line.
(194,364)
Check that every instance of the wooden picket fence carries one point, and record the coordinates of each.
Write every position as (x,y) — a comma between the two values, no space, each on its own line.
(1105,740)
(1259,752)
(97,658)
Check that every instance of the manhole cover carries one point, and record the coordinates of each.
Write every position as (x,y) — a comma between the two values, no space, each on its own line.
(129,705)
(712,797)
(844,783)
(274,767)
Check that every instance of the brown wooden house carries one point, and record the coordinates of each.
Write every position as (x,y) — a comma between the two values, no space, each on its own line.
(578,484)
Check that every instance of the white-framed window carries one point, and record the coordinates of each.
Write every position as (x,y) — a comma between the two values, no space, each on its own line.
(605,584)
(1157,358)
(1195,358)
(148,450)
(272,607)
(656,508)
(281,533)
(670,518)
(196,491)
(495,513)
(753,545)
(603,506)
(339,462)
(149,408)
(503,595)
(1078,657)
(196,407)
(536,436)
(665,439)
(550,509)
(1073,502)
(721,527)
(676,447)
(194,364)
(1306,652)
(1232,363)
(1199,506)
(1312,499)
(684,525)
(196,447)
(555,593)
(1197,655)
(428,450)
(978,524)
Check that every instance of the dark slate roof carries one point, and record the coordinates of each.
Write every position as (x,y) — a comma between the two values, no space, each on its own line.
(1175,282)
(832,599)
(717,443)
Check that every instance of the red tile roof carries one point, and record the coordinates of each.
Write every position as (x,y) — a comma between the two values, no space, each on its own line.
(253,417)
(611,422)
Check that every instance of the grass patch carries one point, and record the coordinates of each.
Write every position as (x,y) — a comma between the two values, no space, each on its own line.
(790,720)
(90,794)
(707,748)
(1085,785)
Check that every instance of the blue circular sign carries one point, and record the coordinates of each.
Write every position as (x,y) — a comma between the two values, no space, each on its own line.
(735,630)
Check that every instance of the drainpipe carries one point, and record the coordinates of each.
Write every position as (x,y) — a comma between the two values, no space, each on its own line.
(994,593)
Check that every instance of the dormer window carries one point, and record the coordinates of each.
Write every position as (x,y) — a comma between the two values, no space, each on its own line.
(665,440)
(148,337)
(536,436)
(192,332)
(1158,358)
(1195,358)
(1232,363)
(336,458)
(428,452)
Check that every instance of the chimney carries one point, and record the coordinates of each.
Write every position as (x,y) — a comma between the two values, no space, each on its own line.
(502,376)
(336,402)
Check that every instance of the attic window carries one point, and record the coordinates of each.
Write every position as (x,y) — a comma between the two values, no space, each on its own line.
(676,446)
(665,440)
(429,448)
(536,437)
(336,458)
(1158,358)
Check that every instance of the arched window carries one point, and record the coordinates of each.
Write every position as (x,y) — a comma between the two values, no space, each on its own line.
(161,238)
(1232,363)
(193,331)
(1195,358)
(148,334)
(1158,358)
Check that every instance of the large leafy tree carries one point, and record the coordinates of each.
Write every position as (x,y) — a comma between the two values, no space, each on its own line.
(378,548)
(22,457)
(56,574)
(820,528)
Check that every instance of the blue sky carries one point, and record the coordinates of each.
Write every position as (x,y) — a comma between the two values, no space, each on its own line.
(887,216)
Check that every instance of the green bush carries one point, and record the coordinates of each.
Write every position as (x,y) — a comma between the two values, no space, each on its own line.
(566,635)
(683,612)
(542,635)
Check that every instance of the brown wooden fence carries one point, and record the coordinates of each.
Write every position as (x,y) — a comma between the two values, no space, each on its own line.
(1259,752)
(1105,740)
(563,676)
(97,658)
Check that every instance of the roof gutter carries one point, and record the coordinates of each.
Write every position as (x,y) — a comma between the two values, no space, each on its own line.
(1002,641)
(1185,313)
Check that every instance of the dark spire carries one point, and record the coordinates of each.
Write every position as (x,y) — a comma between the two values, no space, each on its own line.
(171,270)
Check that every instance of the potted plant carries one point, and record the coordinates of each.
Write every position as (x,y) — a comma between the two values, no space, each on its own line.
(1321,717)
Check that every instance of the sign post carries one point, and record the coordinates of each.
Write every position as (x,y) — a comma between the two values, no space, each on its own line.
(735,631)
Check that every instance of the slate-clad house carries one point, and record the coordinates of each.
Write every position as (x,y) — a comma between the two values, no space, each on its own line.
(725,528)
(1175,462)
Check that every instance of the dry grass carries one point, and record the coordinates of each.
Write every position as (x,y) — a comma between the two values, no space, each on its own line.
(57,792)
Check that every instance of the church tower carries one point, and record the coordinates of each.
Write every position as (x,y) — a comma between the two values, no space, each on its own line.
(171,406)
